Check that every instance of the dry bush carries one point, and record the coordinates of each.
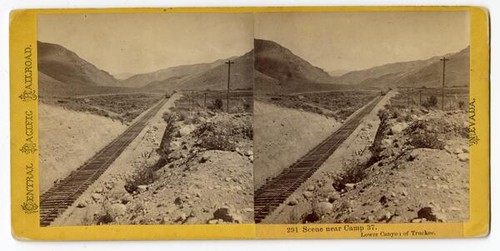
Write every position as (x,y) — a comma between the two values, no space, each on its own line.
(426,140)
(143,176)
(105,219)
(216,105)
(430,102)
(352,172)
(421,136)
(216,142)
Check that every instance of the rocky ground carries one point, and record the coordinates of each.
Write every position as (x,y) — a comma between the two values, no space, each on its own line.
(187,167)
(416,170)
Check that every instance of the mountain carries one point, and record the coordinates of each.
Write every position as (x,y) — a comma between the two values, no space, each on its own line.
(216,78)
(413,73)
(211,76)
(123,75)
(281,64)
(68,68)
(50,87)
(457,72)
(336,73)
(176,74)
(356,77)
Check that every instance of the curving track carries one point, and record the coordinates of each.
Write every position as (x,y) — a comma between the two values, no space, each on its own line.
(62,195)
(268,197)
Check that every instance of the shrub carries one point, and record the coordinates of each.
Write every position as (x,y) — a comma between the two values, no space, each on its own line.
(426,140)
(105,219)
(461,105)
(216,142)
(143,176)
(217,104)
(247,107)
(431,102)
(352,173)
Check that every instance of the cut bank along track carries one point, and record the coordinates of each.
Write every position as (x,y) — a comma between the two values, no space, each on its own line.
(272,194)
(62,195)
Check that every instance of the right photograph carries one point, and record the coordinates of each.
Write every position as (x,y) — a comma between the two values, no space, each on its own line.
(361,117)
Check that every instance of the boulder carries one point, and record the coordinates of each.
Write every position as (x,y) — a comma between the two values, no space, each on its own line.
(349,186)
(323,208)
(117,210)
(175,155)
(175,145)
(96,197)
(292,202)
(82,204)
(386,143)
(205,157)
(398,127)
(186,130)
(429,214)
(458,150)
(307,194)
(311,188)
(227,214)
(333,196)
(463,157)
(181,217)
(142,188)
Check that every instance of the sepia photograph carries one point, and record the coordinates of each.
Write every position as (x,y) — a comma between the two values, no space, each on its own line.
(362,117)
(145,118)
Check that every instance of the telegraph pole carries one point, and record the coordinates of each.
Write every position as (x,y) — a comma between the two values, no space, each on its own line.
(229,63)
(444,59)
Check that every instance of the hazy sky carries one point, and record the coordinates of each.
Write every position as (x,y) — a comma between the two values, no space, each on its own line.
(359,40)
(138,43)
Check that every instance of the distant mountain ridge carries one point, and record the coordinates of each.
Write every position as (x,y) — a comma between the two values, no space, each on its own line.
(61,70)
(270,66)
(211,76)
(416,73)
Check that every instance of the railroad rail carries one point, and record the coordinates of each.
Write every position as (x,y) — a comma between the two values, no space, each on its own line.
(272,194)
(63,194)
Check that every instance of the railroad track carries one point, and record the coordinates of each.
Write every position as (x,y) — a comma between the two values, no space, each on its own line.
(272,194)
(62,195)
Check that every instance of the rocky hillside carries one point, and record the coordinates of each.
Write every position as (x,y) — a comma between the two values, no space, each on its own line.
(416,170)
(413,73)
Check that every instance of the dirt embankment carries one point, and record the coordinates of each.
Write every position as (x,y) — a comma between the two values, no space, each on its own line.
(416,171)
(283,135)
(69,138)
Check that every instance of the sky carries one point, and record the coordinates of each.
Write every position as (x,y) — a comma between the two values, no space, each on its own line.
(360,40)
(140,43)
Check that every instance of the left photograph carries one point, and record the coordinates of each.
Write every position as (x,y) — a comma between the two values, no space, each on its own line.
(145,118)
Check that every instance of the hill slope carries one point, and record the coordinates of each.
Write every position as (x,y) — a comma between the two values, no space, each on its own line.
(211,76)
(281,64)
(457,72)
(175,74)
(413,73)
(67,67)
